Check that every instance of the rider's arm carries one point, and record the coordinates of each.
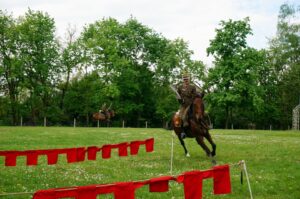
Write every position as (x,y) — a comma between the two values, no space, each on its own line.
(179,92)
(194,91)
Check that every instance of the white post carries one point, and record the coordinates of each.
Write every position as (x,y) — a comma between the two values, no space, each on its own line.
(231,126)
(172,152)
(247,177)
(45,121)
(270,127)
(98,123)
(21,121)
(123,124)
(74,122)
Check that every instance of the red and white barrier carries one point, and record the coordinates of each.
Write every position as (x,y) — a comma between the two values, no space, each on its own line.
(77,154)
(192,182)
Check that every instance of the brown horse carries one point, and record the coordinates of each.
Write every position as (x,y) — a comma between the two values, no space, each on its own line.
(197,128)
(104,115)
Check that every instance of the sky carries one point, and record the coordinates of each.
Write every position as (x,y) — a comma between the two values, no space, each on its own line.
(194,21)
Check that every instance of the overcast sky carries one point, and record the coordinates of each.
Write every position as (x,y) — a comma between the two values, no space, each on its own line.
(193,20)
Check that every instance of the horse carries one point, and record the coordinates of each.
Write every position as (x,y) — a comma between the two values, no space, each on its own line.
(197,128)
(104,115)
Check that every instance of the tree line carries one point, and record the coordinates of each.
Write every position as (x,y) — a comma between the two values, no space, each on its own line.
(131,66)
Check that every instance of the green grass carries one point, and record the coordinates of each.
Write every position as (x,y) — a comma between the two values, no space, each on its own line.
(272,158)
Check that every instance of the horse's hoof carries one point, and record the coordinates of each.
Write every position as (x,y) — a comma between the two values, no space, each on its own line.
(187,155)
(214,162)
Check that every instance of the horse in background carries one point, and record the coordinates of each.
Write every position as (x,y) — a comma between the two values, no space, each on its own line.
(197,128)
(105,114)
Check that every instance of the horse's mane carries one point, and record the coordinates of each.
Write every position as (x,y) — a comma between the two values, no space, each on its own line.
(198,106)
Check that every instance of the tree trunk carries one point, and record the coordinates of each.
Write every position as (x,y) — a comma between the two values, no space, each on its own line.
(13,97)
(87,119)
(227,117)
(13,104)
(230,117)
(32,115)
(64,90)
(32,108)
(138,119)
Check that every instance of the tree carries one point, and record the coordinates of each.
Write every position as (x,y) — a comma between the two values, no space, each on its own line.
(137,62)
(11,68)
(127,64)
(39,56)
(284,55)
(84,96)
(230,81)
(72,56)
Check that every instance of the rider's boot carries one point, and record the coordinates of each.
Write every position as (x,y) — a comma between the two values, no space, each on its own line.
(182,135)
(185,129)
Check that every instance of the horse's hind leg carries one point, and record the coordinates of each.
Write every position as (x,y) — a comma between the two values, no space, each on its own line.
(209,139)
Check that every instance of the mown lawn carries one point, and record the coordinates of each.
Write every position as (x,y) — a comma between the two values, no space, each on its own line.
(272,158)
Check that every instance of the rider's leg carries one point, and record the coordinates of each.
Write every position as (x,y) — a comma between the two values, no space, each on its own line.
(185,117)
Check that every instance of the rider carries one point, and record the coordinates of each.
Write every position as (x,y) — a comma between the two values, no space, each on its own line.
(187,93)
(105,111)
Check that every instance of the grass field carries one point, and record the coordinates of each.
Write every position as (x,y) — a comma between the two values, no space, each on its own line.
(272,158)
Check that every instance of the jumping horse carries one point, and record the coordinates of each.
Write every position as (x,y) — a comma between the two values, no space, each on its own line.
(104,114)
(197,128)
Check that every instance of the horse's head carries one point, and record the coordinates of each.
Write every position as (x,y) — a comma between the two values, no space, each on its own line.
(112,113)
(198,108)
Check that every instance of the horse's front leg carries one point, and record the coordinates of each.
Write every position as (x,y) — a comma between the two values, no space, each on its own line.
(214,146)
(183,145)
(200,141)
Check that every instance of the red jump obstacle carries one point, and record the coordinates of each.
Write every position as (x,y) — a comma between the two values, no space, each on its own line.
(76,154)
(192,183)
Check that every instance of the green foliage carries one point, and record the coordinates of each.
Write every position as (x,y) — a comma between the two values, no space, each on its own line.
(230,39)
(11,69)
(233,81)
(39,57)
(137,61)
(131,66)
(84,96)
(284,55)
(129,62)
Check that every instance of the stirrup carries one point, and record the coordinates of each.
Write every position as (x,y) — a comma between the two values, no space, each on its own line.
(182,135)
